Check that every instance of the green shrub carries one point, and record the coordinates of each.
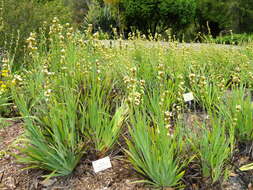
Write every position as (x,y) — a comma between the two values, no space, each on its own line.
(5,85)
(103,18)
(49,105)
(153,15)
(5,105)
(224,15)
(208,92)
(234,39)
(154,152)
(237,110)
(52,142)
(62,102)
(207,144)
(102,120)
(24,16)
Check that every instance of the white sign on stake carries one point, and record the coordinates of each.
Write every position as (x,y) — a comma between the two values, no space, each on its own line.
(101,164)
(188,97)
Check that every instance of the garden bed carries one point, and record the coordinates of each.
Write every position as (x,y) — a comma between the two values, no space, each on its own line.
(175,117)
(120,177)
(13,176)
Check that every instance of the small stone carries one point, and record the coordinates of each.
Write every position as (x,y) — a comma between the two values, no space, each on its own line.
(10,182)
(48,182)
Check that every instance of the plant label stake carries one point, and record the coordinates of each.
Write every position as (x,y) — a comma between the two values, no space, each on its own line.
(188,97)
(101,164)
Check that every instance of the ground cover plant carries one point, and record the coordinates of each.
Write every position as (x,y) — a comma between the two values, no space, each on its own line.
(234,39)
(212,155)
(78,96)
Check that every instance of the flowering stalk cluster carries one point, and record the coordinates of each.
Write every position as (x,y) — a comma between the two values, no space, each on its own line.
(236,79)
(180,92)
(168,121)
(4,75)
(250,75)
(98,71)
(135,88)
(55,28)
(32,44)
(161,74)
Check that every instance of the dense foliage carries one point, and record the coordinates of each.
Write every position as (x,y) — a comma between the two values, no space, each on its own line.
(207,16)
(21,17)
(225,15)
(88,100)
(77,95)
(158,15)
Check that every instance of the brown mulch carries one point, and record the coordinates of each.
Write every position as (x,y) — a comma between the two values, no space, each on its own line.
(12,175)
(120,177)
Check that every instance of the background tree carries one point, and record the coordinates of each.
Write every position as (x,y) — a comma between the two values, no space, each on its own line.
(158,15)
(243,16)
(225,15)
(103,15)
(182,16)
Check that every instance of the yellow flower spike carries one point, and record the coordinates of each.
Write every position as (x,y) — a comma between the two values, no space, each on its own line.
(13,81)
(3,86)
(5,74)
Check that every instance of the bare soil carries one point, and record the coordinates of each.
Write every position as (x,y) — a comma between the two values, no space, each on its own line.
(13,176)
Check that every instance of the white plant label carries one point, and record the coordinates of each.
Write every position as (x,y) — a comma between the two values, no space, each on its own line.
(188,97)
(101,164)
